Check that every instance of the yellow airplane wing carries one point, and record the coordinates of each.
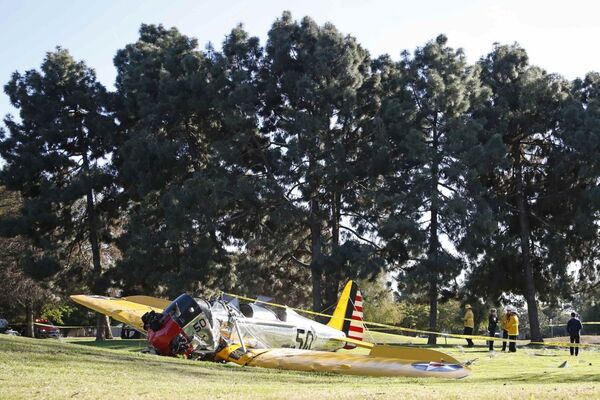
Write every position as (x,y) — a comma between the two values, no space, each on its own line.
(153,302)
(412,353)
(404,352)
(122,310)
(383,362)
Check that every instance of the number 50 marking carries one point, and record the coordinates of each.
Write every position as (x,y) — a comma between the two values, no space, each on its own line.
(304,339)
(199,325)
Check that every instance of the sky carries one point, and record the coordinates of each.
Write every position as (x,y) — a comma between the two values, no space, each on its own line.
(559,36)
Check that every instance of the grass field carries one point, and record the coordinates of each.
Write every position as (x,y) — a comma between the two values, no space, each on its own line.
(83,369)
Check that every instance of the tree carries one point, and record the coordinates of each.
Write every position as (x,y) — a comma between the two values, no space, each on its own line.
(192,162)
(317,102)
(56,158)
(19,293)
(381,306)
(577,174)
(538,185)
(430,137)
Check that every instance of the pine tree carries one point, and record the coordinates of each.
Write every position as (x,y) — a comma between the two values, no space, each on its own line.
(427,121)
(538,184)
(316,105)
(192,161)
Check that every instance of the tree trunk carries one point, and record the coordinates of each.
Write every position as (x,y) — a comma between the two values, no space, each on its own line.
(93,234)
(530,291)
(315,262)
(433,296)
(107,331)
(433,274)
(432,251)
(334,276)
(95,283)
(29,328)
(100,326)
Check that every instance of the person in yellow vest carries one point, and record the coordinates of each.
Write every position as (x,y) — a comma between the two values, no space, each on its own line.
(512,326)
(469,323)
(503,322)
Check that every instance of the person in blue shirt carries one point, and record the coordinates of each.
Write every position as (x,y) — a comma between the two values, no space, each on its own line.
(574,329)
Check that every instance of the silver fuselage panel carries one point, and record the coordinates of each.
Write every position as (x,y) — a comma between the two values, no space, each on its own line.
(286,329)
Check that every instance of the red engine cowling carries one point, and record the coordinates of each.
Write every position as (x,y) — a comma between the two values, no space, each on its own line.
(167,337)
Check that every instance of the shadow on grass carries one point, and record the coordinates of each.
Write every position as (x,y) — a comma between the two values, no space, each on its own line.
(434,346)
(116,344)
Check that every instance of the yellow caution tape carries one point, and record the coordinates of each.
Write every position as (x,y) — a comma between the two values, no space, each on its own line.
(64,326)
(399,328)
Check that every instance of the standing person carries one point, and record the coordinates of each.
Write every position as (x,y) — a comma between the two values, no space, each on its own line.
(512,326)
(492,324)
(469,323)
(574,328)
(503,322)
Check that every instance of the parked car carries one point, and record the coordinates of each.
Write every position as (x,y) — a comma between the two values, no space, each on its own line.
(45,329)
(5,328)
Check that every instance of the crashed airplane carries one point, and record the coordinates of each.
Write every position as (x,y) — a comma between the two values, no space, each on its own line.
(255,334)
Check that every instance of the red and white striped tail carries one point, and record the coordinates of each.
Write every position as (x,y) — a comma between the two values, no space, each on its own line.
(356,328)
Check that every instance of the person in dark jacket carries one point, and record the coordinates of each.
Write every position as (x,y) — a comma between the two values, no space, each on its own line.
(574,328)
(492,325)
(503,322)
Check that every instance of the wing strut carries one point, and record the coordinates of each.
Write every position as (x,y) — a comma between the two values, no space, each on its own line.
(237,329)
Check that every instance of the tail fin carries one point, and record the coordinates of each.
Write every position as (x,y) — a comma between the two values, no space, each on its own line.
(348,314)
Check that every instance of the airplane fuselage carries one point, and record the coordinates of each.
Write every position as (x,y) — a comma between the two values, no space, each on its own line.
(262,328)
(197,326)
(297,332)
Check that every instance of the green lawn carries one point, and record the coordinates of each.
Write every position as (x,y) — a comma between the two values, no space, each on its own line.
(83,369)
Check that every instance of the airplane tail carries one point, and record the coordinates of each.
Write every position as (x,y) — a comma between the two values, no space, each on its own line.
(348,314)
